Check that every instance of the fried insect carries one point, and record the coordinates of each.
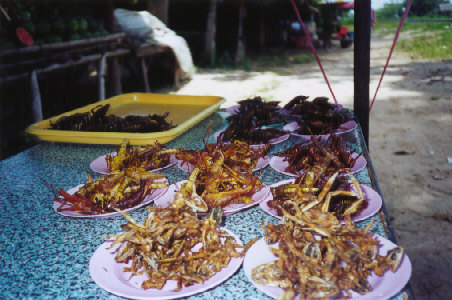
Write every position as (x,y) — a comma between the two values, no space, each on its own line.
(264,113)
(326,156)
(248,123)
(120,189)
(97,120)
(247,132)
(223,175)
(320,258)
(300,105)
(149,157)
(333,194)
(213,183)
(317,117)
(174,244)
(239,156)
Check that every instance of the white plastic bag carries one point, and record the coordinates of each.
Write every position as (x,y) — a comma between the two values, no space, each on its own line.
(133,23)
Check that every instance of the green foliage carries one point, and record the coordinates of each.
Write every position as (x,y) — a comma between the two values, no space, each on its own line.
(303,59)
(83,24)
(390,11)
(421,40)
(348,21)
(224,60)
(436,46)
(58,26)
(424,7)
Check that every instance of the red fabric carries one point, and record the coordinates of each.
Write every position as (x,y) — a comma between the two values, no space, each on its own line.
(343,31)
(347,5)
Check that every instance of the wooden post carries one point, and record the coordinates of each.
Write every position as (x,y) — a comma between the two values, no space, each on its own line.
(101,74)
(115,71)
(36,104)
(211,31)
(144,74)
(240,51)
(361,71)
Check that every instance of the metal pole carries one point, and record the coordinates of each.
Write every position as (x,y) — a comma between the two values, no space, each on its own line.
(361,71)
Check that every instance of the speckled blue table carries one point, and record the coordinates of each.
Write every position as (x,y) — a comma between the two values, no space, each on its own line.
(46,255)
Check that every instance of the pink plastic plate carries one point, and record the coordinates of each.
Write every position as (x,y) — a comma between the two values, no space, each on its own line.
(383,287)
(148,199)
(99,165)
(168,198)
(273,141)
(374,202)
(261,163)
(109,275)
(280,165)
(343,128)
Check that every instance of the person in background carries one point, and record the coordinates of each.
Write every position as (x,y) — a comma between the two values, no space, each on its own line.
(296,34)
(373,19)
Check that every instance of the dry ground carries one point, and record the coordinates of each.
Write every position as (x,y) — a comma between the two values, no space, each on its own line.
(410,141)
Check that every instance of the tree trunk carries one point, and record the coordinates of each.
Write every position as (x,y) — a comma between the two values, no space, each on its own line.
(261,27)
(159,8)
(240,51)
(211,29)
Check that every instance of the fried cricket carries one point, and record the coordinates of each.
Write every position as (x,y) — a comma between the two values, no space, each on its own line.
(317,117)
(338,193)
(149,157)
(174,244)
(116,190)
(97,120)
(318,257)
(223,175)
(213,183)
(326,156)
(239,156)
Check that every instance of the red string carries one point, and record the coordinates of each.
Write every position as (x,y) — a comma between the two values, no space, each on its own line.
(402,21)
(308,36)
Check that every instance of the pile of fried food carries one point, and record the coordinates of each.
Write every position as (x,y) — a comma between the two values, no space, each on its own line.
(326,156)
(317,117)
(248,123)
(239,156)
(149,157)
(213,183)
(164,247)
(317,257)
(263,113)
(97,120)
(327,193)
(116,190)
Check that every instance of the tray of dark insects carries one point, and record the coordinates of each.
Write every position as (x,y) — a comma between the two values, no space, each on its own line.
(128,112)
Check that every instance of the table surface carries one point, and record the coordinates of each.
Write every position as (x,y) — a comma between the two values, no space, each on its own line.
(46,255)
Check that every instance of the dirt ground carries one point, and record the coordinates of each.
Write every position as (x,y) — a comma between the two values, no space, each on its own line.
(410,140)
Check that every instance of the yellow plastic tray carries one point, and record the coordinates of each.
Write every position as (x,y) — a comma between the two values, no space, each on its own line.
(184,111)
